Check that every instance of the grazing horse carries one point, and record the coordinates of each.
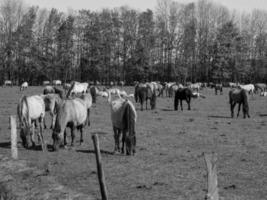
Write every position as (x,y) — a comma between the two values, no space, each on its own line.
(218,87)
(183,94)
(52,90)
(52,104)
(249,88)
(24,86)
(73,113)
(57,82)
(31,109)
(76,88)
(143,93)
(239,96)
(8,83)
(123,117)
(260,87)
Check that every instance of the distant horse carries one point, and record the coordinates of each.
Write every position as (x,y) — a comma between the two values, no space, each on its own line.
(167,88)
(24,86)
(66,87)
(260,87)
(73,113)
(249,88)
(53,90)
(143,94)
(57,82)
(46,83)
(94,90)
(8,83)
(123,117)
(52,104)
(31,109)
(195,86)
(182,94)
(239,96)
(218,87)
(174,88)
(76,88)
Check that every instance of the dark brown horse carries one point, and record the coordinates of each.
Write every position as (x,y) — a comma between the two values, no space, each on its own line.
(182,94)
(143,93)
(239,96)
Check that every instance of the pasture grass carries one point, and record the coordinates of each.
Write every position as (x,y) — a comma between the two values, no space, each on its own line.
(169,163)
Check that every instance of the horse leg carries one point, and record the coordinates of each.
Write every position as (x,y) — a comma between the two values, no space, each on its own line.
(65,137)
(72,135)
(115,130)
(146,103)
(81,136)
(88,117)
(239,105)
(181,104)
(41,133)
(52,122)
(232,109)
(44,124)
(188,103)
(124,132)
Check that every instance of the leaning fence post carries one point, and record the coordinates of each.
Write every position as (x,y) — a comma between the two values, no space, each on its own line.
(100,172)
(14,148)
(212,176)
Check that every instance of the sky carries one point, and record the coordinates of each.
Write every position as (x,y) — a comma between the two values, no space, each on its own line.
(65,5)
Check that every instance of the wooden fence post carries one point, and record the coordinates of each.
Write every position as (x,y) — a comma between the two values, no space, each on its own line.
(212,176)
(14,148)
(100,172)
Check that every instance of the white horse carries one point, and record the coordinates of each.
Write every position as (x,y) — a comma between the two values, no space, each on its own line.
(46,83)
(249,88)
(123,117)
(195,86)
(31,109)
(77,87)
(24,86)
(8,83)
(57,82)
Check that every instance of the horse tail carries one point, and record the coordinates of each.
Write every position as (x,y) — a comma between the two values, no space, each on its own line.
(24,119)
(129,121)
(245,97)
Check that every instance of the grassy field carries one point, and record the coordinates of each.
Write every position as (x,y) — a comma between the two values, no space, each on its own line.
(169,163)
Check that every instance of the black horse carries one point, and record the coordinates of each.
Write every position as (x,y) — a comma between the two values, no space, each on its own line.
(182,94)
(218,87)
(144,93)
(239,96)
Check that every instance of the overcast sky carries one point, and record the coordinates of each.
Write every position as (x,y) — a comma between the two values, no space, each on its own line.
(64,5)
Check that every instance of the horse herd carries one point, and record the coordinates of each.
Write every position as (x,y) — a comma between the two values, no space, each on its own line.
(72,109)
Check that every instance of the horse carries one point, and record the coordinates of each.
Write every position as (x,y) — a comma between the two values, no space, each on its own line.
(8,83)
(52,90)
(219,87)
(66,86)
(123,117)
(31,109)
(167,88)
(143,93)
(174,88)
(46,83)
(52,103)
(249,88)
(72,113)
(262,87)
(94,90)
(57,82)
(76,88)
(239,96)
(195,86)
(183,94)
(24,86)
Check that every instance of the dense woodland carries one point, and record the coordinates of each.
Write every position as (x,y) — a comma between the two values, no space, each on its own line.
(200,41)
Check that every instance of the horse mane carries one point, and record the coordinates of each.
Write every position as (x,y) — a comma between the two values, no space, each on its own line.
(71,88)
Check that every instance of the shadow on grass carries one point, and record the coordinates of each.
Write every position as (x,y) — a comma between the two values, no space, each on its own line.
(93,151)
(263,115)
(218,116)
(5,145)
(167,109)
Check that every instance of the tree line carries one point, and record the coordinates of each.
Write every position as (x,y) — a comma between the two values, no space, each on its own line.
(201,41)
